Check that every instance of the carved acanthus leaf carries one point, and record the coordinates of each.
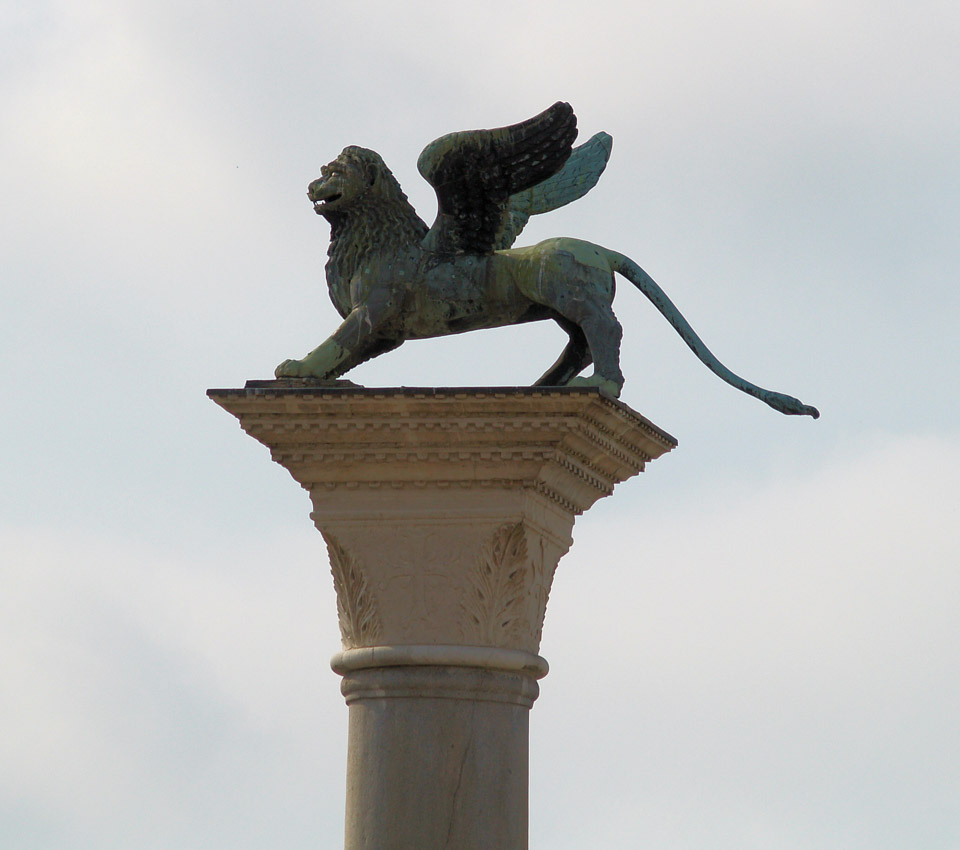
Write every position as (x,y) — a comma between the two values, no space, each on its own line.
(494,598)
(541,588)
(356,606)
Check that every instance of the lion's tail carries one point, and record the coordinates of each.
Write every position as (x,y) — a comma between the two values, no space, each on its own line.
(648,286)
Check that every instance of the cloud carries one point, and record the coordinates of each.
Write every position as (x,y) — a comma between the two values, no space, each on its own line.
(154,700)
(771,666)
(752,646)
(779,663)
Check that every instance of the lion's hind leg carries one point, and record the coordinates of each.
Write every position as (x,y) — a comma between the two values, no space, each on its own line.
(589,310)
(574,358)
(603,333)
(574,280)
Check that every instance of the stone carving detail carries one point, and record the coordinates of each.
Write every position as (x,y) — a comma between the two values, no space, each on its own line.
(356,606)
(541,589)
(494,599)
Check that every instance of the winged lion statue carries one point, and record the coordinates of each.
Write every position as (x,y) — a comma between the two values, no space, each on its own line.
(392,278)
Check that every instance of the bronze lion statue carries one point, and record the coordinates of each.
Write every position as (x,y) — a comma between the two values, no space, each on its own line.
(392,278)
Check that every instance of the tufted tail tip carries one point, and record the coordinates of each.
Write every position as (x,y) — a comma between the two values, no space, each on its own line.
(789,405)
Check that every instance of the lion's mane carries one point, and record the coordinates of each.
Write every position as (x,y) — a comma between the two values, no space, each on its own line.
(382,216)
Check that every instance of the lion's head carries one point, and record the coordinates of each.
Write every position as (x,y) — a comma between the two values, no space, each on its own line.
(347,179)
(365,206)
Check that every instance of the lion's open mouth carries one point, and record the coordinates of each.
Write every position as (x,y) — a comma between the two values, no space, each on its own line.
(322,202)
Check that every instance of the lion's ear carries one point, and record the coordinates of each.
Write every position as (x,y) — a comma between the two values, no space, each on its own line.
(372,174)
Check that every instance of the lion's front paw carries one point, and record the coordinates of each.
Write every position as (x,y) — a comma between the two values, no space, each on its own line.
(289,369)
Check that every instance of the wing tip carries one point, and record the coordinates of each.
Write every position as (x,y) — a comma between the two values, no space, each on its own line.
(604,140)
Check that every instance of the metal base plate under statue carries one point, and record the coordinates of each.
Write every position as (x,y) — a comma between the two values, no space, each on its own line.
(445,513)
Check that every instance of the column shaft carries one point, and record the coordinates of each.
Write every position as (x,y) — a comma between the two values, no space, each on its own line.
(437,758)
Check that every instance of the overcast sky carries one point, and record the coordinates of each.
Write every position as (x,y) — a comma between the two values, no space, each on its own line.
(755,644)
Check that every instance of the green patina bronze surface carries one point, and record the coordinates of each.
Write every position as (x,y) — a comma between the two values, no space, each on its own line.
(392,278)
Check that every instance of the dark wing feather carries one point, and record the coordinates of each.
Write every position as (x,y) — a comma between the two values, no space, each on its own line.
(578,176)
(474,173)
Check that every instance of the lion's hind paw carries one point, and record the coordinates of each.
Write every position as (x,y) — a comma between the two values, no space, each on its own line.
(605,385)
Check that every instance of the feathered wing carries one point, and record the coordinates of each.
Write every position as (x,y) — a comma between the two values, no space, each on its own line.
(475,173)
(578,176)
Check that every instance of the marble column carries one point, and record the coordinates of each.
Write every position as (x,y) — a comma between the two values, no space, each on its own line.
(445,513)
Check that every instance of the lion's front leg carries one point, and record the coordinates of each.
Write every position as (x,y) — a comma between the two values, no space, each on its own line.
(322,362)
(358,338)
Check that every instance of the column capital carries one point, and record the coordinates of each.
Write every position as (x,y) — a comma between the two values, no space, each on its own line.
(445,511)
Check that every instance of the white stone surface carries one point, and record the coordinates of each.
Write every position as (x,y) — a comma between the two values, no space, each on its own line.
(445,514)
(437,758)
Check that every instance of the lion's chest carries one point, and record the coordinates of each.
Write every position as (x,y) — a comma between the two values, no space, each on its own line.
(371,275)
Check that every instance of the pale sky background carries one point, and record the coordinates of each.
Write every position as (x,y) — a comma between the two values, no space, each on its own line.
(754,645)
